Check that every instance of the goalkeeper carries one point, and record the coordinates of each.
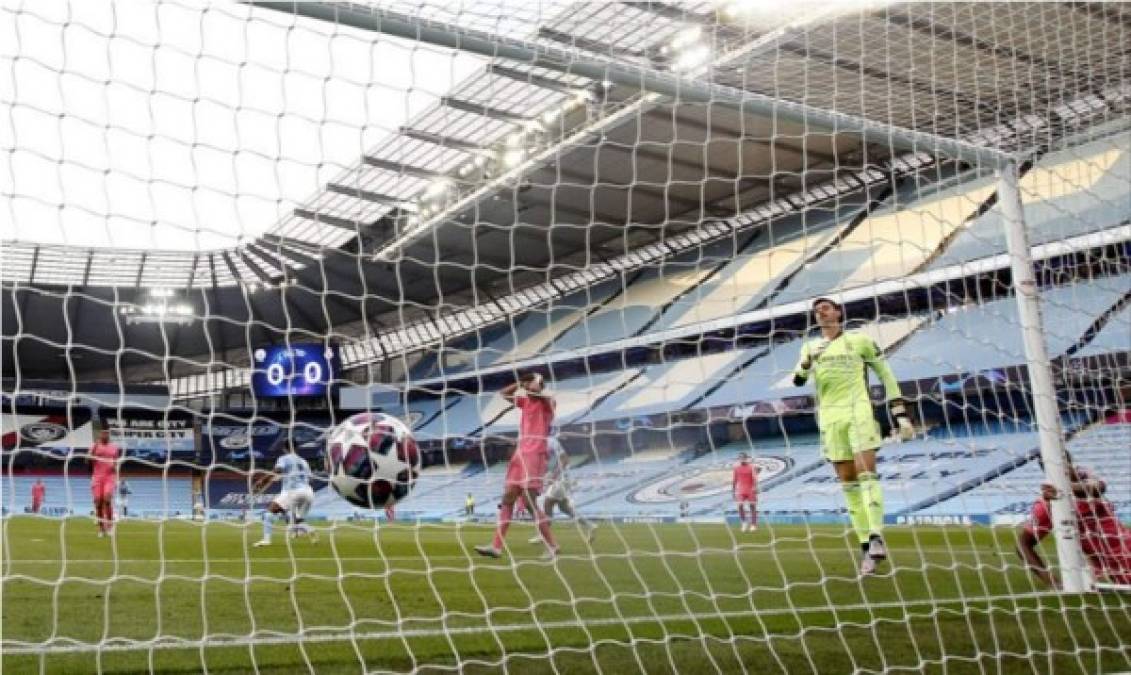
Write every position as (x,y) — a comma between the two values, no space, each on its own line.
(838,363)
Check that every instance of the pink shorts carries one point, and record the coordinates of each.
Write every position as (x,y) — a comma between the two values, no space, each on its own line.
(102,489)
(745,497)
(526,470)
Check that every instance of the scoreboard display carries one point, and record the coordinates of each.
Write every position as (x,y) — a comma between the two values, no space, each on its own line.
(294,370)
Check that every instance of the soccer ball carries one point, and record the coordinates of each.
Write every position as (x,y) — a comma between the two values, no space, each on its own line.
(372,460)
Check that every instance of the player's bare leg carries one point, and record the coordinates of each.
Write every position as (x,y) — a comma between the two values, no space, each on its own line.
(590,526)
(300,528)
(548,507)
(567,508)
(100,516)
(541,521)
(506,512)
(742,515)
(273,511)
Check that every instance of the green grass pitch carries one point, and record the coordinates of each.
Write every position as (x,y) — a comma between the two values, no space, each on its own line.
(645,598)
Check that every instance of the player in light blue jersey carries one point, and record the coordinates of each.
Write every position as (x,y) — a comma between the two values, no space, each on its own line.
(295,498)
(559,490)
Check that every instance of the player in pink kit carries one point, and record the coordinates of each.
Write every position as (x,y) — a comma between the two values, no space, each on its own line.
(103,459)
(38,491)
(745,488)
(1105,542)
(527,466)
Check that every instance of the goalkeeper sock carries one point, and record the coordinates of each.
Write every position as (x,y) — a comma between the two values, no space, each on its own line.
(873,494)
(854,499)
(505,513)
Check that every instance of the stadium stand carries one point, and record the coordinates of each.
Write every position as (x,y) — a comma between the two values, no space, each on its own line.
(1067,193)
(1068,312)
(1103,448)
(1115,336)
(894,240)
(519,338)
(627,313)
(751,275)
(667,387)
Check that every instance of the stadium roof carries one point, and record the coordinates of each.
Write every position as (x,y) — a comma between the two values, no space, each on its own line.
(524,174)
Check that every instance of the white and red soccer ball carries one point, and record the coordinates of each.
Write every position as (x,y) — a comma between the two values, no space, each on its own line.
(372,460)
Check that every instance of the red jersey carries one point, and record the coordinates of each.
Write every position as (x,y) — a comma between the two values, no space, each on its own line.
(1103,539)
(744,478)
(37,491)
(534,425)
(103,457)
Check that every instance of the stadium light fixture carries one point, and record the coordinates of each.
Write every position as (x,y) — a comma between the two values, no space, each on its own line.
(438,188)
(691,58)
(158,311)
(686,38)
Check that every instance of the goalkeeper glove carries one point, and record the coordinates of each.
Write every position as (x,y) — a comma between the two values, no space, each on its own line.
(903,427)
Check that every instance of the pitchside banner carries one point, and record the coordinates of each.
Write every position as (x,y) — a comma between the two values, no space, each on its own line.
(233,492)
(149,434)
(46,430)
(231,440)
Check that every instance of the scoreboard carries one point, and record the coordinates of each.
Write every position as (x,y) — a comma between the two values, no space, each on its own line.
(294,370)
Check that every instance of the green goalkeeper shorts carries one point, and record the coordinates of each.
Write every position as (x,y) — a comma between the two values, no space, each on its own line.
(842,439)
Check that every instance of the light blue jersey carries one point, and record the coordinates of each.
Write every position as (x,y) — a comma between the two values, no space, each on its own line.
(294,470)
(556,470)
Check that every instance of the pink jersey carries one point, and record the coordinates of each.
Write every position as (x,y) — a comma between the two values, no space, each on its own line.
(534,426)
(103,457)
(744,479)
(37,491)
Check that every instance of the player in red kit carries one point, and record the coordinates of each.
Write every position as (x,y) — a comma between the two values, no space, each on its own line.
(745,489)
(38,491)
(104,464)
(1105,542)
(527,466)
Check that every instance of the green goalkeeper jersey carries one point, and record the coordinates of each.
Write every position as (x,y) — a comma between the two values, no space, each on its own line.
(840,375)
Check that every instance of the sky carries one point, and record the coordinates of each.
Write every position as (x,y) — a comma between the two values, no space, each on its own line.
(190,126)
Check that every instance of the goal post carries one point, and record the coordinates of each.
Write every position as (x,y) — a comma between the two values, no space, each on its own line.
(1074,571)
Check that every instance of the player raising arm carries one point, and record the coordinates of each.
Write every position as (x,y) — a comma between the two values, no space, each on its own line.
(527,466)
(744,487)
(838,362)
(559,491)
(295,498)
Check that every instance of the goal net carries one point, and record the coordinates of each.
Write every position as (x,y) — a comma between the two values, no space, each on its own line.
(694,227)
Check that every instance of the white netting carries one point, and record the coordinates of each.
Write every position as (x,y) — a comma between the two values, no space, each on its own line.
(419,203)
